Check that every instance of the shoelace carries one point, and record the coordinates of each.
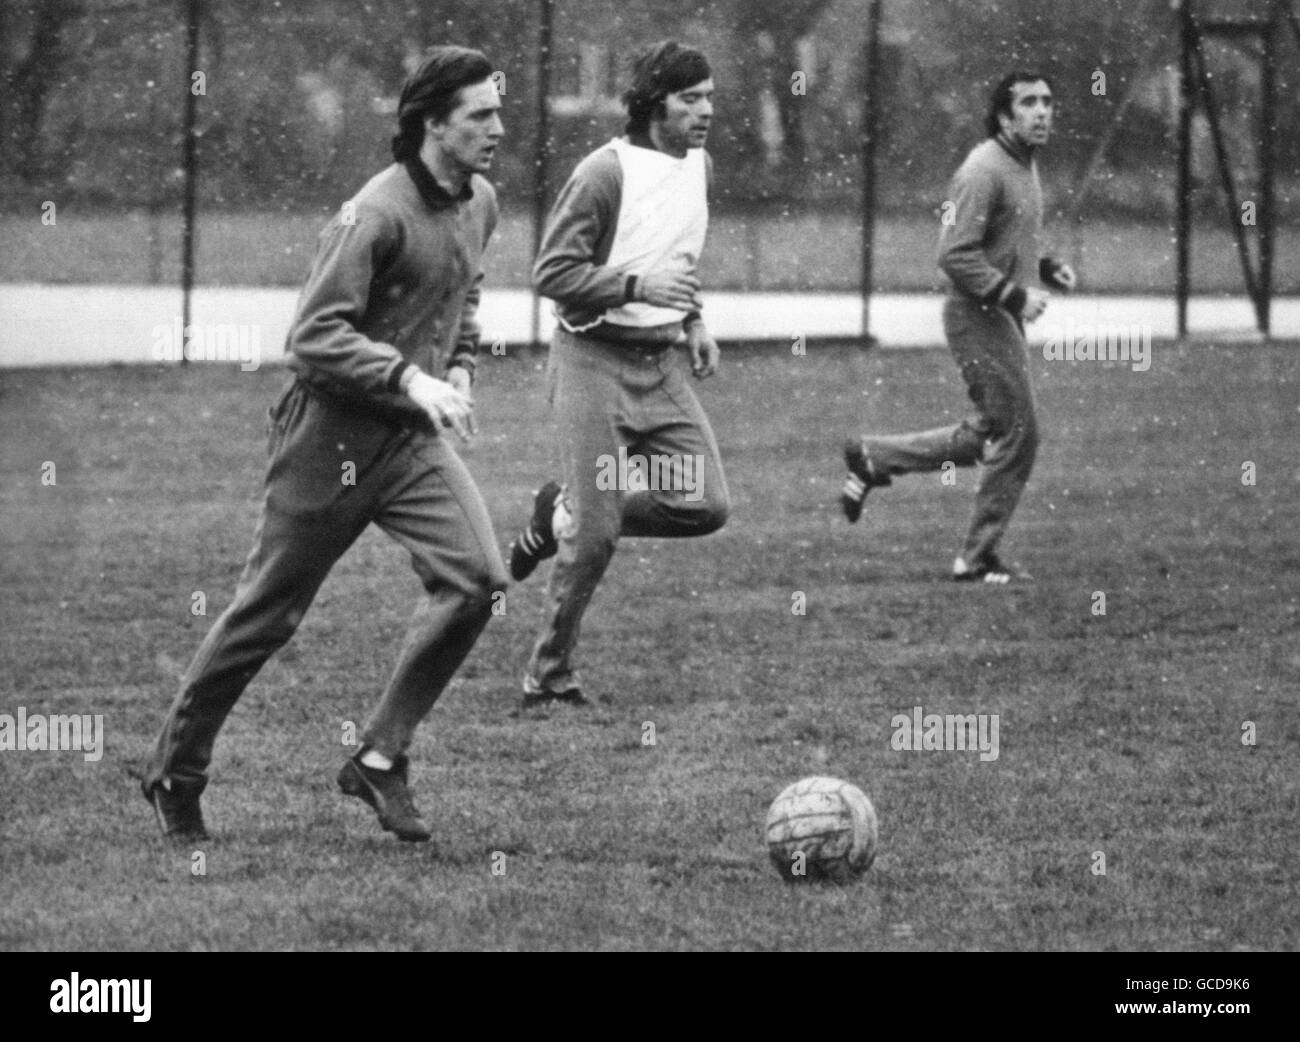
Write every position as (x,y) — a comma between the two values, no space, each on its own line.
(531,541)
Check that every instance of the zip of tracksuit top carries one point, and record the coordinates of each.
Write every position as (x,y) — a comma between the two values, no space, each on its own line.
(395,283)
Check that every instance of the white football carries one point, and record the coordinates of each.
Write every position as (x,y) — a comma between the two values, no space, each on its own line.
(822,828)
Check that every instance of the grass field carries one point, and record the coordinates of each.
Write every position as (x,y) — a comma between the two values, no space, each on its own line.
(799,253)
(1120,733)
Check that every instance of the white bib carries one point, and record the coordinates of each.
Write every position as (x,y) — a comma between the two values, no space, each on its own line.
(663,216)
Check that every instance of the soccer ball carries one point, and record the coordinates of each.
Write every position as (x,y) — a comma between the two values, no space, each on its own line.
(821,828)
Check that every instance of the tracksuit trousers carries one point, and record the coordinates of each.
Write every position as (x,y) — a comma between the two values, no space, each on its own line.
(332,472)
(988,345)
(608,396)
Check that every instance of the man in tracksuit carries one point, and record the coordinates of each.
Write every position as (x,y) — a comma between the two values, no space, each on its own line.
(362,435)
(619,259)
(988,248)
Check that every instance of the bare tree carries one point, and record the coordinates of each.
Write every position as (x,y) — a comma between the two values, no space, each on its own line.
(784,23)
(33,53)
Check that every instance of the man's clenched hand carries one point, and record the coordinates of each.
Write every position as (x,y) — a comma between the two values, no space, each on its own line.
(459,377)
(705,353)
(443,403)
(1035,303)
(670,288)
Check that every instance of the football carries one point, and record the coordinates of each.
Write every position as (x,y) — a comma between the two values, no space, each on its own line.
(821,829)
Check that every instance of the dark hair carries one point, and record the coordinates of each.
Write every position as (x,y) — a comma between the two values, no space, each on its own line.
(1000,99)
(432,92)
(663,69)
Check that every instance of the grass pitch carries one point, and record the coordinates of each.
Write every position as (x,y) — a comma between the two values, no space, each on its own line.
(1124,734)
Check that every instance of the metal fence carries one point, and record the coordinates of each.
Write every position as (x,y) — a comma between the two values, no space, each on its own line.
(292,107)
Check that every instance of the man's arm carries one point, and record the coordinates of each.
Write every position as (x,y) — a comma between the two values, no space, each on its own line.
(581,221)
(327,331)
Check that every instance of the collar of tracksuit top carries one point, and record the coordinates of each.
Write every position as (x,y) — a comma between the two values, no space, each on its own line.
(1022,154)
(432,192)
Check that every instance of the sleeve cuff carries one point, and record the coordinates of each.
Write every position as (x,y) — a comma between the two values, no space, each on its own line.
(1006,294)
(398,378)
(1049,269)
(464,362)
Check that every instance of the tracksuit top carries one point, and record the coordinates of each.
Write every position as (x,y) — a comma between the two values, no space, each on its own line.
(991,249)
(395,282)
(626,210)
